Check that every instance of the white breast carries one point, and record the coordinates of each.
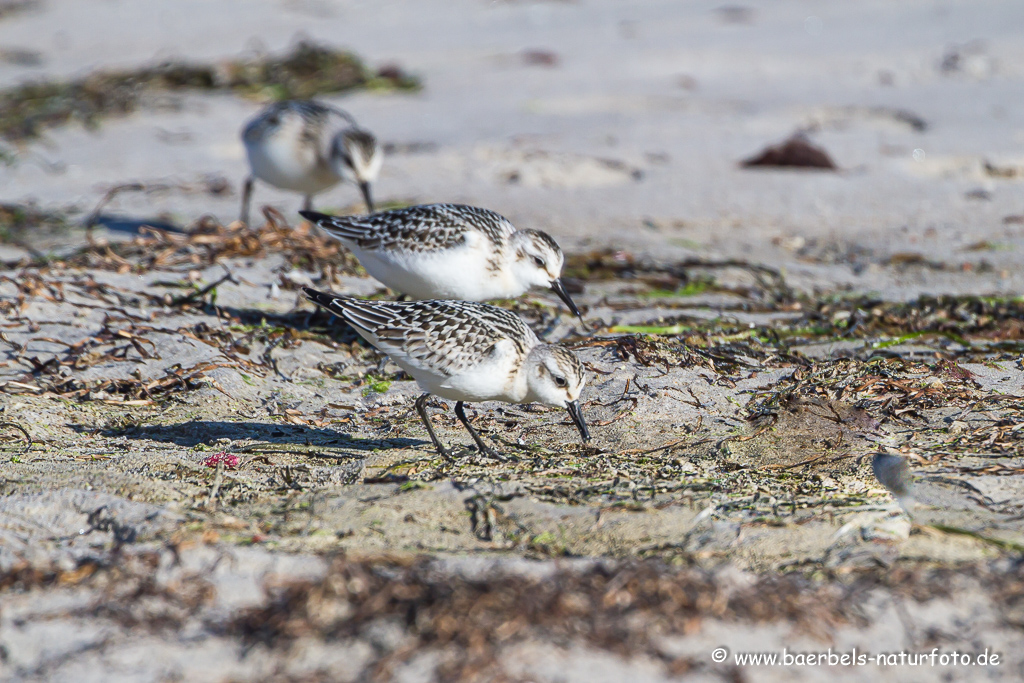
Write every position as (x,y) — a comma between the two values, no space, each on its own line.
(461,273)
(496,378)
(282,162)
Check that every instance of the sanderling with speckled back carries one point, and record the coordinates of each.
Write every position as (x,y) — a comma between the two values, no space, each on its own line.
(308,147)
(450,251)
(465,351)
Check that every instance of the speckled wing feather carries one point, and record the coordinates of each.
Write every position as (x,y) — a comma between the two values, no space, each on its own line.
(445,336)
(307,108)
(427,227)
(314,114)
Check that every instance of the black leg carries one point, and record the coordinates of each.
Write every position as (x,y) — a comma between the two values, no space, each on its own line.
(484,448)
(421,408)
(307,204)
(246,198)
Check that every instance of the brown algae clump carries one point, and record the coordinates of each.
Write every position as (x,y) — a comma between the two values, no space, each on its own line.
(308,70)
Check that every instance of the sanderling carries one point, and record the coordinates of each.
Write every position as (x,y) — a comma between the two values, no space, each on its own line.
(298,145)
(465,351)
(450,251)
(893,472)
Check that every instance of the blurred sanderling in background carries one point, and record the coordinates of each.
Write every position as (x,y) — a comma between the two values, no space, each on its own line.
(308,147)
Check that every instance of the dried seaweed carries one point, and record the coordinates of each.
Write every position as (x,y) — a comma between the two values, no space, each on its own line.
(955,327)
(990,318)
(892,389)
(175,380)
(616,609)
(6,426)
(47,379)
(613,264)
(208,243)
(625,608)
(469,622)
(16,220)
(308,70)
(12,7)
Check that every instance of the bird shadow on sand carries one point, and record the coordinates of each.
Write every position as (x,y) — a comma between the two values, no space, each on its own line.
(132,225)
(298,319)
(196,432)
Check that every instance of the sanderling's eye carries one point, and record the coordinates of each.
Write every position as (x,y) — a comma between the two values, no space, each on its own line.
(560,382)
(539,262)
(273,120)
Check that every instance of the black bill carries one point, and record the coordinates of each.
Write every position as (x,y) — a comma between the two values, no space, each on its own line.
(559,288)
(365,187)
(577,417)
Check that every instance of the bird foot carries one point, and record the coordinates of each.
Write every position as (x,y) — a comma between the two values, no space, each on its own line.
(489,452)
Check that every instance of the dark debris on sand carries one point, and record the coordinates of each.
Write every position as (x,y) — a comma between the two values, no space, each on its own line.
(796,152)
(406,605)
(308,70)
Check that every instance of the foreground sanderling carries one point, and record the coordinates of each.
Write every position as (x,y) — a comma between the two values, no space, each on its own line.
(465,351)
(450,251)
(308,147)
